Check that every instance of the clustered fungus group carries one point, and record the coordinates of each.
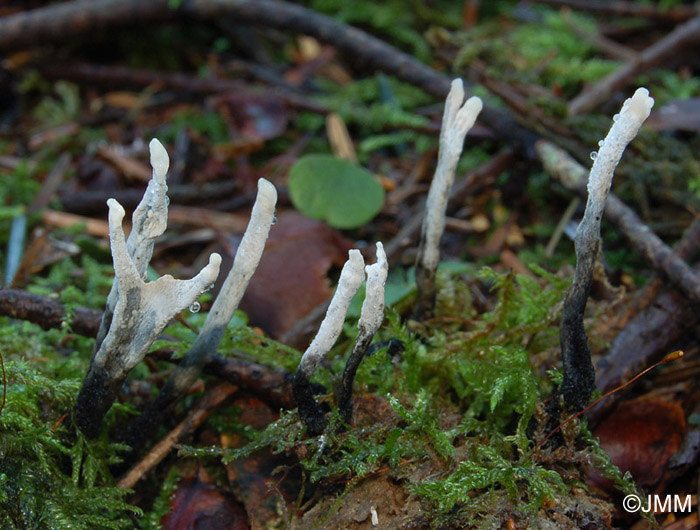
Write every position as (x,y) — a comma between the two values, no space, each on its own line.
(137,311)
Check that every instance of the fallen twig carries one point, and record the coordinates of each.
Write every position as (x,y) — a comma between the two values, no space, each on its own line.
(185,428)
(270,384)
(653,55)
(95,202)
(46,312)
(661,319)
(630,9)
(111,76)
(572,175)
(56,23)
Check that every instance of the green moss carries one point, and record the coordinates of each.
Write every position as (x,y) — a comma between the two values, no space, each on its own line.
(51,477)
(455,404)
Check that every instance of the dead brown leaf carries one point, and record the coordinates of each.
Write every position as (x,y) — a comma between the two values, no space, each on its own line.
(291,278)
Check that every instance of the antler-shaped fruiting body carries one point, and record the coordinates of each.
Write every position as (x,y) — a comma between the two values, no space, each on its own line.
(244,265)
(351,277)
(142,309)
(149,220)
(579,375)
(457,120)
(371,317)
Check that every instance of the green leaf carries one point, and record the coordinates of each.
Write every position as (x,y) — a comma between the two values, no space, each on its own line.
(334,190)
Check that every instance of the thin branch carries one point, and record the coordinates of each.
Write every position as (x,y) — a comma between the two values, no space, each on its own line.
(272,385)
(185,428)
(593,96)
(65,21)
(47,313)
(572,175)
(626,9)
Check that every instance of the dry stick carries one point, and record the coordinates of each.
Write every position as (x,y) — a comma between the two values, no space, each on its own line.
(601,42)
(688,245)
(663,320)
(270,384)
(185,428)
(622,8)
(653,55)
(188,85)
(572,175)
(95,202)
(64,21)
(111,76)
(46,312)
(561,226)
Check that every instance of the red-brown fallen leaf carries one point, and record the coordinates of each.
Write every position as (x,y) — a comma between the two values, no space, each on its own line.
(262,481)
(291,278)
(640,436)
(198,505)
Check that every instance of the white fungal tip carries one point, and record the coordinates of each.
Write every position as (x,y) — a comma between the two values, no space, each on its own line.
(372,313)
(267,190)
(211,271)
(454,100)
(208,274)
(456,87)
(467,115)
(355,259)
(215,259)
(639,104)
(474,104)
(116,212)
(159,160)
(381,255)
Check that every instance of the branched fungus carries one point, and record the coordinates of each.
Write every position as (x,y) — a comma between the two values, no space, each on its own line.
(149,220)
(371,317)
(579,375)
(244,265)
(457,119)
(351,277)
(141,312)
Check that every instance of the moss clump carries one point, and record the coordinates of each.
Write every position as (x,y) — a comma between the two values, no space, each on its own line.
(446,420)
(51,477)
